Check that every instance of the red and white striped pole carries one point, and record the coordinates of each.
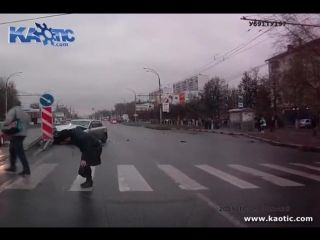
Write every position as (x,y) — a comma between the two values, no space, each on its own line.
(47,123)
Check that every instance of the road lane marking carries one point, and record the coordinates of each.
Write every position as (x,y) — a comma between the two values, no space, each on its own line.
(75,187)
(130,179)
(227,177)
(8,183)
(266,176)
(36,177)
(181,179)
(292,171)
(224,214)
(306,166)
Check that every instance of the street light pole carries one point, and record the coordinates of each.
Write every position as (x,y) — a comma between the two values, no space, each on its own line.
(156,73)
(125,105)
(6,89)
(135,104)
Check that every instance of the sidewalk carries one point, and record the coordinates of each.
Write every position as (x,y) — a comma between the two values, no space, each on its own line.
(34,135)
(301,139)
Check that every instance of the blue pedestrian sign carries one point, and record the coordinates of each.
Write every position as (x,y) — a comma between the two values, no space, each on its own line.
(46,100)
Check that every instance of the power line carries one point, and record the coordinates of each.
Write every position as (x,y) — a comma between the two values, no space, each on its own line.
(234,53)
(222,57)
(214,57)
(279,22)
(29,19)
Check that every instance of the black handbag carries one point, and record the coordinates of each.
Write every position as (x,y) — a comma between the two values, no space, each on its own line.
(82,171)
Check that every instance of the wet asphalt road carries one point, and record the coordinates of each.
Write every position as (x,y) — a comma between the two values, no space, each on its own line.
(152,178)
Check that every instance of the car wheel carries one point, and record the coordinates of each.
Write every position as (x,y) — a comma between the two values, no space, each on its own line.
(1,141)
(105,138)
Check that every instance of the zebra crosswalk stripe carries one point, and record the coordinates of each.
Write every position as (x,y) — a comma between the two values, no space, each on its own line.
(75,187)
(32,181)
(306,166)
(227,177)
(266,176)
(130,179)
(292,171)
(182,179)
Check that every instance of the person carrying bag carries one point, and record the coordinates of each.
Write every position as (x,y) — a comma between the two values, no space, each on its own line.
(15,126)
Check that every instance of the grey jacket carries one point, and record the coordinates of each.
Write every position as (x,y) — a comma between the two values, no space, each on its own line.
(19,114)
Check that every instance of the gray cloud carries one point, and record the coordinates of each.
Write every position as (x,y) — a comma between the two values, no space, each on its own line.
(110,51)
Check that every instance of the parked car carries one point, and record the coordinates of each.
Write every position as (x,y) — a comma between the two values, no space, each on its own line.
(93,127)
(3,138)
(305,123)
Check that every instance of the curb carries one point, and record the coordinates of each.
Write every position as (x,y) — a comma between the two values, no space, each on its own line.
(304,148)
(35,142)
(158,128)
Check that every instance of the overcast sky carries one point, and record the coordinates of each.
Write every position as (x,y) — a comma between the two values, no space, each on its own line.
(110,51)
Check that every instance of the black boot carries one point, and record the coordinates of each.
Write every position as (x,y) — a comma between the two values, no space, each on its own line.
(87,184)
(11,169)
(25,173)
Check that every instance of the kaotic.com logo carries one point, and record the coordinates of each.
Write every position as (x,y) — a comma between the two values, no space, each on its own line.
(41,34)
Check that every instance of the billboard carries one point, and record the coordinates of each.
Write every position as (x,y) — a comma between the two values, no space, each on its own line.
(165,91)
(144,107)
(175,99)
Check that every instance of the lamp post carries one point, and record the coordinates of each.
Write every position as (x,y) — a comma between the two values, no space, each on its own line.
(135,104)
(16,74)
(125,105)
(156,73)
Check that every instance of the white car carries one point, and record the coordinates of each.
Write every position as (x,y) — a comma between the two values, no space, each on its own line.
(93,127)
(305,123)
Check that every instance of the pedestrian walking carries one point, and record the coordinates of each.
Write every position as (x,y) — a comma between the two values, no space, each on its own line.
(91,150)
(263,124)
(16,126)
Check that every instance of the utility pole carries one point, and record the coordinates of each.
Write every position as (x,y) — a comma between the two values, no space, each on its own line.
(135,103)
(160,102)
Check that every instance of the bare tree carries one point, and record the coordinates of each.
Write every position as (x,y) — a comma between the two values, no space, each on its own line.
(12,96)
(214,96)
(248,89)
(296,32)
(232,95)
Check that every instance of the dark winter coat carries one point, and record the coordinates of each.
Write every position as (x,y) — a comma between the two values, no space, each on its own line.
(89,146)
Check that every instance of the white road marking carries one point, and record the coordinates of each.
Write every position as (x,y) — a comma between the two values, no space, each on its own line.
(224,214)
(180,178)
(75,187)
(130,179)
(5,185)
(306,166)
(266,176)
(36,177)
(292,171)
(227,177)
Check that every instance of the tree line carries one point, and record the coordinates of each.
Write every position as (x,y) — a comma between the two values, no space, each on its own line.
(12,96)
(215,100)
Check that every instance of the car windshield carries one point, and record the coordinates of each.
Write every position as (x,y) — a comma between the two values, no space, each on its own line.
(81,123)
